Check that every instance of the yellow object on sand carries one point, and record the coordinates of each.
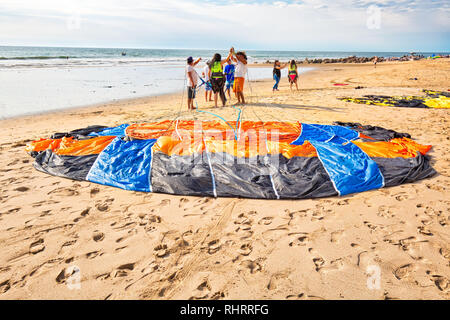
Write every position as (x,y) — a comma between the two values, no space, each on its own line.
(434,99)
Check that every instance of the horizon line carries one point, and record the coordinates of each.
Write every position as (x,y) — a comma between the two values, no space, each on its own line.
(168,48)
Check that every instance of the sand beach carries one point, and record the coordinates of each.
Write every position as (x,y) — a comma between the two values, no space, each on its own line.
(131,245)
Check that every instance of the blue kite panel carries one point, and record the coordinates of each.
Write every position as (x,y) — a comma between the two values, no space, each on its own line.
(124,164)
(319,132)
(115,131)
(350,169)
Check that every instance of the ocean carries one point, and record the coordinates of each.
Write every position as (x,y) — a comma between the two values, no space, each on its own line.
(41,79)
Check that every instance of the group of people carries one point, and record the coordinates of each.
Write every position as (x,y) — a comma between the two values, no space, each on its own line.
(292,74)
(219,76)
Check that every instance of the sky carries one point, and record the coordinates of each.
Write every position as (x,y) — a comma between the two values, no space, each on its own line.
(305,25)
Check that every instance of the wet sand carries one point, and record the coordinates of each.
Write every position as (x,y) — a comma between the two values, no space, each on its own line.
(130,245)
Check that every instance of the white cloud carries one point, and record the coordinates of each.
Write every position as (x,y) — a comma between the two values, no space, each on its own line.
(301,25)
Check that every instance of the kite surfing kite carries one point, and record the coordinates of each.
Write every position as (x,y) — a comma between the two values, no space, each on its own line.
(267,160)
(433,99)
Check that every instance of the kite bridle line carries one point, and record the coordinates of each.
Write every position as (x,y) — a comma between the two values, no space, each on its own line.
(216,115)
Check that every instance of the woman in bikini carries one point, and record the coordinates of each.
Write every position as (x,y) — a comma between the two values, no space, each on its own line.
(293,74)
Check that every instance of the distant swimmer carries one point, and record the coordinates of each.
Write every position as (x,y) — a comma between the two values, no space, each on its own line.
(124,53)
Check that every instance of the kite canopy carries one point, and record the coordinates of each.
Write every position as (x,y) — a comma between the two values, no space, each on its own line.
(269,160)
(433,99)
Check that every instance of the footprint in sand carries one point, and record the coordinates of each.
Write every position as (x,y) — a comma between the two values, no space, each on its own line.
(403,271)
(245,249)
(103,276)
(343,202)
(274,279)
(301,239)
(94,192)
(243,219)
(5,286)
(336,236)
(22,189)
(161,251)
(424,230)
(85,212)
(385,212)
(154,219)
(335,265)
(319,262)
(45,213)
(66,273)
(183,202)
(435,187)
(401,197)
(299,296)
(164,202)
(151,223)
(253,266)
(67,244)
(123,270)
(98,236)
(104,206)
(151,267)
(37,246)
(65,192)
(15,210)
(445,253)
(266,221)
(202,291)
(214,246)
(93,254)
(218,295)
(441,282)
(373,227)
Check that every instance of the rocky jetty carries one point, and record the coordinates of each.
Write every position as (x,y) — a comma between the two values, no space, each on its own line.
(355,59)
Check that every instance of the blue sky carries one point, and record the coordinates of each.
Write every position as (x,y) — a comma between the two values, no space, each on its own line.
(340,25)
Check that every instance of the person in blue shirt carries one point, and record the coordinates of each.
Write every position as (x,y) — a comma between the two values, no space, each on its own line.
(229,72)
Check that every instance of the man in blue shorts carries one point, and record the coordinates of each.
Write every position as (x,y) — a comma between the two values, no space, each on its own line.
(229,72)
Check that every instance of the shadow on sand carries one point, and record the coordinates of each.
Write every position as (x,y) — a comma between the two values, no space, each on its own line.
(293,106)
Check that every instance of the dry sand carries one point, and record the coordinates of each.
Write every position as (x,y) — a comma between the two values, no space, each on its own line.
(131,245)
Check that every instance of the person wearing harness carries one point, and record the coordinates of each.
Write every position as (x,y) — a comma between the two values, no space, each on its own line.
(217,77)
(192,78)
(277,74)
(293,74)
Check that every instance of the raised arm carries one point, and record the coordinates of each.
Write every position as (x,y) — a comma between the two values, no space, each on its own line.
(230,55)
(197,61)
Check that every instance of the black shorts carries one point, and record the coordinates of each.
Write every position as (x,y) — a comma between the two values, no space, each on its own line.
(191,93)
(217,84)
